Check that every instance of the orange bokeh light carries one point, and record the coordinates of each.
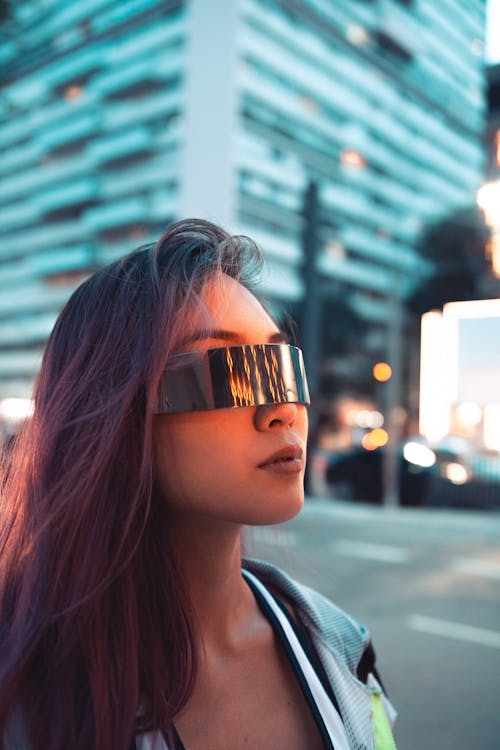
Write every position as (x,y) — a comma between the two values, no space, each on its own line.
(349,157)
(382,372)
(73,92)
(379,436)
(367,443)
(374,439)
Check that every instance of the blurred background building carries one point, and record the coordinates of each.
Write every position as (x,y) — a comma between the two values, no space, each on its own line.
(489,195)
(493,122)
(118,116)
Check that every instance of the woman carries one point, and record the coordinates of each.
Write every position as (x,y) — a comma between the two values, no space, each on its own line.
(169,411)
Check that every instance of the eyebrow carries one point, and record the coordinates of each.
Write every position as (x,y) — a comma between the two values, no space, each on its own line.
(278,337)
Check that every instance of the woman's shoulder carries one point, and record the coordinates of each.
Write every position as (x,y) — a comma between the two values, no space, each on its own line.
(345,635)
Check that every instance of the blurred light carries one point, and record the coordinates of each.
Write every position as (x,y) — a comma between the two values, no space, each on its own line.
(477,47)
(469,414)
(453,315)
(441,363)
(421,455)
(497,148)
(335,249)
(16,409)
(374,439)
(368,419)
(357,34)
(351,158)
(73,92)
(491,429)
(368,443)
(363,418)
(456,473)
(493,252)
(382,372)
(488,198)
(309,103)
(351,417)
(434,411)
(379,437)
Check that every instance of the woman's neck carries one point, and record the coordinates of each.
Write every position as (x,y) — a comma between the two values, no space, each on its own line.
(209,559)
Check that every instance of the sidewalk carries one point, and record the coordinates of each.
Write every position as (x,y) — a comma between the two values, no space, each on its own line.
(452,518)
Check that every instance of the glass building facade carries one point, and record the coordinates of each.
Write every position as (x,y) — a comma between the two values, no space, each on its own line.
(118,116)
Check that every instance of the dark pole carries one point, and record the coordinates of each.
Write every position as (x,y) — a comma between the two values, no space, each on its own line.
(390,462)
(311,303)
(311,311)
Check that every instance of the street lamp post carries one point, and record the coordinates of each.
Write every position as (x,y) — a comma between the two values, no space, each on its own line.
(311,311)
(392,405)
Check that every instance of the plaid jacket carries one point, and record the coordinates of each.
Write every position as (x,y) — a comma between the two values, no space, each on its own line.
(340,643)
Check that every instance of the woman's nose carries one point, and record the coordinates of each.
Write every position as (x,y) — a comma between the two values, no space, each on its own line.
(275,415)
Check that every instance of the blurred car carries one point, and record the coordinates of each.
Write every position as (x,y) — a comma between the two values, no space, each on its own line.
(357,474)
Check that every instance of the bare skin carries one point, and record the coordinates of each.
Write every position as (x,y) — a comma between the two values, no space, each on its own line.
(246,695)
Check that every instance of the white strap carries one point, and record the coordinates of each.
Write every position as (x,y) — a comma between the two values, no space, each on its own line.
(329,713)
(151,741)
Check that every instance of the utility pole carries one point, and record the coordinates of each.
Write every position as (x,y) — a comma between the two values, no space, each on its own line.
(311,308)
(392,405)
(311,311)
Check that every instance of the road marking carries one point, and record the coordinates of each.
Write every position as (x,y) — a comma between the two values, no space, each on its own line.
(477,567)
(275,537)
(366,551)
(454,630)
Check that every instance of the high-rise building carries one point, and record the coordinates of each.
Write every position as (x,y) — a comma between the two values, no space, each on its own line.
(117,116)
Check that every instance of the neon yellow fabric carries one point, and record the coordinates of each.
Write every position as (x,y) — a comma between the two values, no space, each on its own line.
(383,734)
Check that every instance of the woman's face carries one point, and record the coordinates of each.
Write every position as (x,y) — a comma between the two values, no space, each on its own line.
(216,465)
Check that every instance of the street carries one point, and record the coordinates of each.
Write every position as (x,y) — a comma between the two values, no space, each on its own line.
(427,584)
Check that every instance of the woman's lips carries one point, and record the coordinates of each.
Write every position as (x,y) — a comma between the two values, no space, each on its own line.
(287,460)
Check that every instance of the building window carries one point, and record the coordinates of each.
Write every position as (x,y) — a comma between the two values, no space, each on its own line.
(389,45)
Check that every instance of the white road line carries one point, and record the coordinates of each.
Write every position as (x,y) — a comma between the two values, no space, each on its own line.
(454,630)
(368,551)
(477,567)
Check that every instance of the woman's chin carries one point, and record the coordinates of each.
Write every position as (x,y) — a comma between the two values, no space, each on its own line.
(282,510)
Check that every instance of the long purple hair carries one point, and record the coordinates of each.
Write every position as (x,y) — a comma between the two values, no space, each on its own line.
(97,639)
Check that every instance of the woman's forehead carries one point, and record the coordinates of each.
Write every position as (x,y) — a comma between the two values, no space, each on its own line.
(230,304)
(229,314)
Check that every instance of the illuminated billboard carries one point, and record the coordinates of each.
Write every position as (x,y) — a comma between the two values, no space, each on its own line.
(460,372)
